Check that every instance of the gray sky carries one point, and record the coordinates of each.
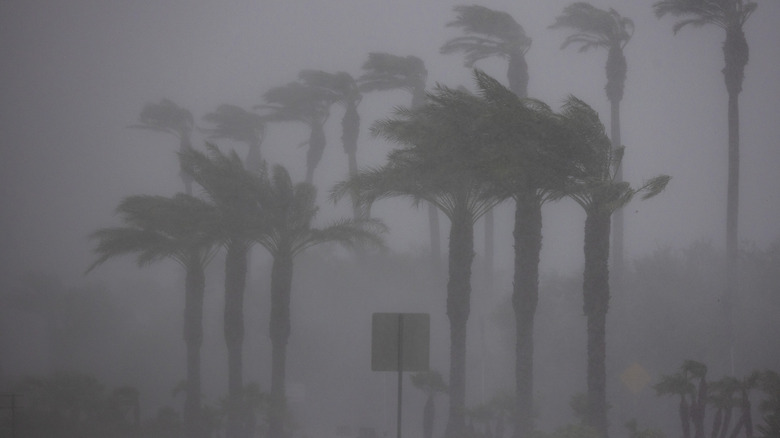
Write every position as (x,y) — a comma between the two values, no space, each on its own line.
(74,74)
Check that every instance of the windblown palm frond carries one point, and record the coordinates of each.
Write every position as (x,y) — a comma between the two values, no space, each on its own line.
(165,116)
(594,27)
(235,123)
(158,227)
(384,71)
(491,33)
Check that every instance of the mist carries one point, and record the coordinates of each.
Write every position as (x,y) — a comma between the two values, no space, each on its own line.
(75,76)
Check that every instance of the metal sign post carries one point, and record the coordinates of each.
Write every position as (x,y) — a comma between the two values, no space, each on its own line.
(400,342)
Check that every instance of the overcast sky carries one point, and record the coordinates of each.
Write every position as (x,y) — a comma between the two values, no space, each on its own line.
(74,74)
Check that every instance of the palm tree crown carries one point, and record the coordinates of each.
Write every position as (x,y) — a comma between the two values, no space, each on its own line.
(596,28)
(232,122)
(492,33)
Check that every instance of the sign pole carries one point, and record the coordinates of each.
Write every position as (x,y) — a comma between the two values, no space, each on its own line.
(400,370)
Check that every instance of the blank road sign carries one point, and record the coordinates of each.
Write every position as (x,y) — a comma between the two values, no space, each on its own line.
(412,329)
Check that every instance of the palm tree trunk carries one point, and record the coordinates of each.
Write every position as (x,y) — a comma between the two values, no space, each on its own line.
(735,52)
(596,304)
(184,145)
(193,337)
(433,226)
(732,212)
(281,286)
(350,129)
(618,223)
(525,296)
(235,284)
(458,307)
(317,144)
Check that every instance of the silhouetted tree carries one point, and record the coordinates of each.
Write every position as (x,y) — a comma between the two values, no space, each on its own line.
(384,71)
(235,123)
(170,118)
(532,162)
(440,162)
(343,89)
(305,103)
(599,193)
(731,16)
(181,228)
(291,209)
(237,195)
(491,33)
(595,28)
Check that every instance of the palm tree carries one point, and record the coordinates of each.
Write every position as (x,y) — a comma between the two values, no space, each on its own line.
(440,163)
(730,15)
(181,228)
(384,71)
(532,162)
(491,33)
(599,193)
(306,103)
(291,209)
(344,90)
(170,118)
(690,384)
(595,28)
(238,197)
(235,123)
(431,383)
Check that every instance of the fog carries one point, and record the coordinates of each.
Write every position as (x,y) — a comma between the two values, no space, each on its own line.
(74,75)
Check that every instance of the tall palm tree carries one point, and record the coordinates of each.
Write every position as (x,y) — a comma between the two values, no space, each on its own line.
(730,15)
(385,71)
(599,193)
(533,163)
(232,122)
(306,103)
(291,209)
(166,116)
(595,28)
(181,228)
(491,33)
(440,162)
(238,196)
(344,90)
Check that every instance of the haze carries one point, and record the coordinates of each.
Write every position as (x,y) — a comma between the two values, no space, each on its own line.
(74,75)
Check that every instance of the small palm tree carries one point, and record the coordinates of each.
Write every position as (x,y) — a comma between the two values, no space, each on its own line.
(731,16)
(237,195)
(690,384)
(431,383)
(181,228)
(290,211)
(440,163)
(306,103)
(595,28)
(599,193)
(166,116)
(232,122)
(385,71)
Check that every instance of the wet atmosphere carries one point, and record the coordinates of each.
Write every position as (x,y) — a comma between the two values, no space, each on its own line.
(112,111)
